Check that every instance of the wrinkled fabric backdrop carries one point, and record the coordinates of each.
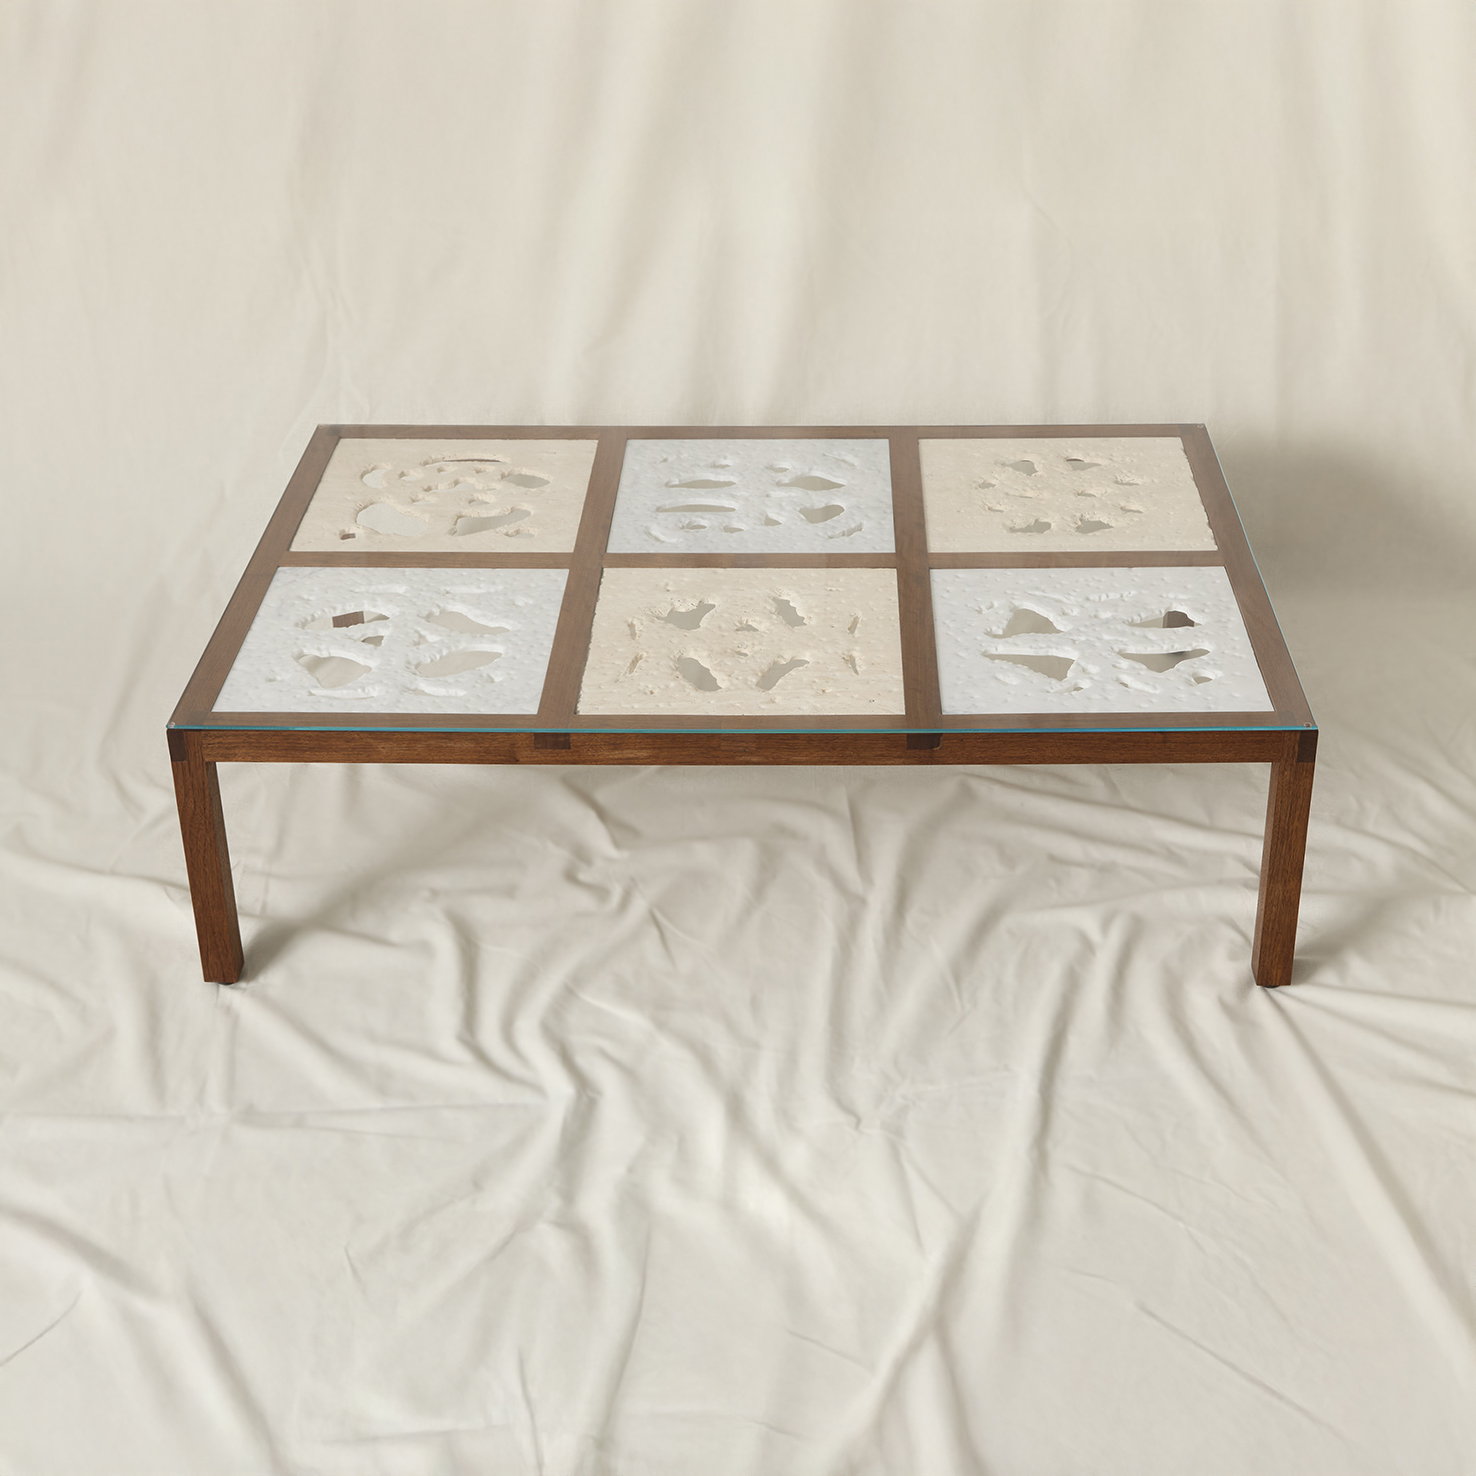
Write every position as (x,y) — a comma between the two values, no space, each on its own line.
(714,1122)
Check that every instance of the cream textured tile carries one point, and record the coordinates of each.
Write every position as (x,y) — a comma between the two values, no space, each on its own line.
(1032,496)
(449,496)
(745,642)
(774,496)
(1093,640)
(413,640)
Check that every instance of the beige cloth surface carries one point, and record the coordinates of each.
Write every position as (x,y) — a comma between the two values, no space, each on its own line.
(661,1122)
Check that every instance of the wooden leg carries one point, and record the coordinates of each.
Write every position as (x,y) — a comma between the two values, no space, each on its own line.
(207,862)
(1281,862)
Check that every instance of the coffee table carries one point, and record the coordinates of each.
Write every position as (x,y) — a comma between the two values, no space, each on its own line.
(749,595)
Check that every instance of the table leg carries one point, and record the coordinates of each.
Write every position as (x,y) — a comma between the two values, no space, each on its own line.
(207,862)
(1287,808)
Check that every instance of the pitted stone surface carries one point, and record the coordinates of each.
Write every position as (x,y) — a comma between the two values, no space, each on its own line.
(449,497)
(735,642)
(1084,640)
(430,640)
(1031,496)
(771,496)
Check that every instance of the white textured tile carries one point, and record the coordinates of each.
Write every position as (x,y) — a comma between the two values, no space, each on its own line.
(776,496)
(1029,496)
(420,625)
(444,496)
(721,641)
(1099,616)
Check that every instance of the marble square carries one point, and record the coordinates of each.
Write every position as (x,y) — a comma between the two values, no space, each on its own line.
(1046,495)
(745,642)
(1093,640)
(810,495)
(451,496)
(398,640)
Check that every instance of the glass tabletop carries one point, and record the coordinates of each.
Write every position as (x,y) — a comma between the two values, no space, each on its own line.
(751,580)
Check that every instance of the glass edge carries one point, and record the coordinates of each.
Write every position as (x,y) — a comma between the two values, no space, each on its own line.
(1284,726)
(1265,588)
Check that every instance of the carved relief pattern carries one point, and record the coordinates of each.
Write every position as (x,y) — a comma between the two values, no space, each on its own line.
(751,496)
(1029,496)
(398,640)
(733,642)
(730,642)
(1093,640)
(449,496)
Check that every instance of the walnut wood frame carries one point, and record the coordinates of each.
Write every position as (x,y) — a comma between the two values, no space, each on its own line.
(1285,738)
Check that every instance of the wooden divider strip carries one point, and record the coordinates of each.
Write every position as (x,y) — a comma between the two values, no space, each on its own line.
(576,616)
(326,559)
(1041,432)
(914,585)
(1109,559)
(750,561)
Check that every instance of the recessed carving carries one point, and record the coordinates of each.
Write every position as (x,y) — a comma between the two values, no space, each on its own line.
(769,501)
(460,621)
(781,669)
(344,620)
(1167,660)
(689,619)
(981,495)
(1025,621)
(382,517)
(1168,620)
(382,494)
(1092,640)
(696,673)
(453,663)
(398,640)
(735,641)
(330,672)
(1057,668)
(468,525)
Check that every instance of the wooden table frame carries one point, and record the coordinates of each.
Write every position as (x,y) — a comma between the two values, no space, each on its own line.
(1285,738)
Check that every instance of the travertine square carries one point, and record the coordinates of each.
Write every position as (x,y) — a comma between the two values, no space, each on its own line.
(1093,640)
(398,640)
(745,642)
(751,496)
(1030,496)
(449,496)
